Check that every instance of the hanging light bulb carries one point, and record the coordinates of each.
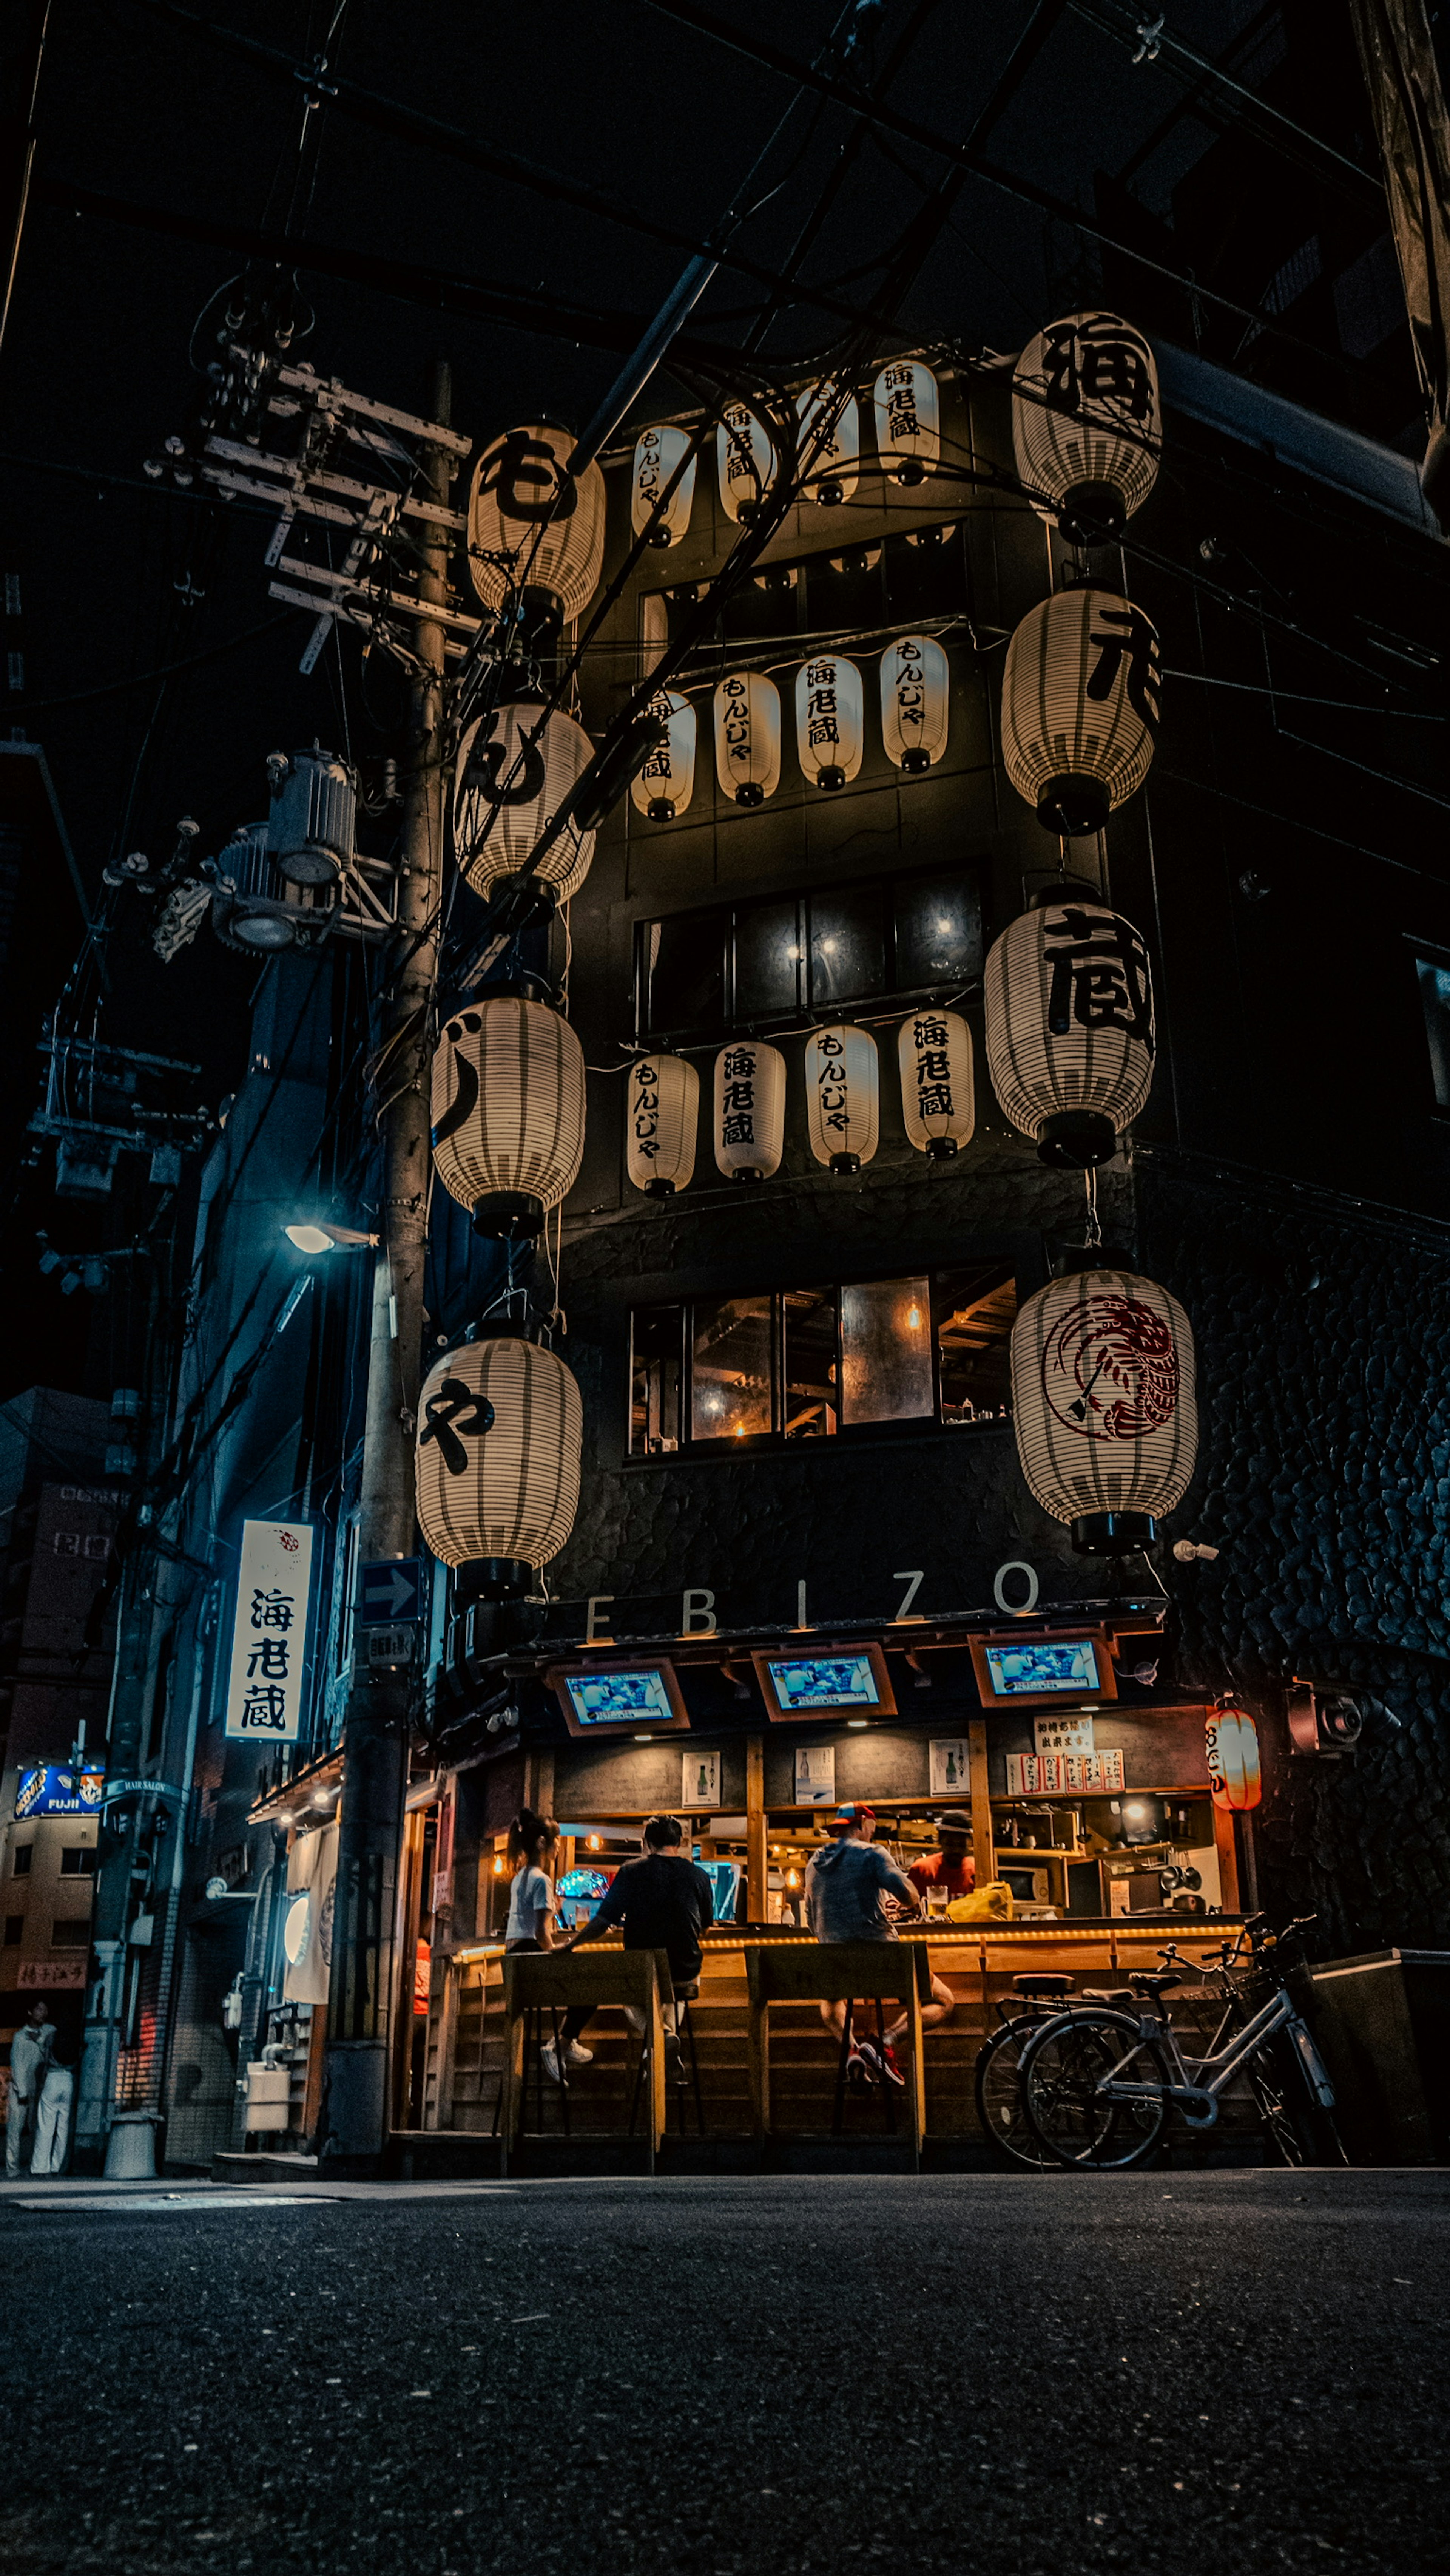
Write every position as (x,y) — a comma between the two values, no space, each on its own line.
(508,1112)
(661,1122)
(500,1434)
(915,703)
(907,403)
(1070,1037)
(747,737)
(663,788)
(1086,427)
(1080,706)
(535,529)
(938,1085)
(830,434)
(657,453)
(830,720)
(843,1103)
(749,1110)
(746,461)
(1103,1405)
(510,779)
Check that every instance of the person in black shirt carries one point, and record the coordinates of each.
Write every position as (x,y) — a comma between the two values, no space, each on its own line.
(664,1902)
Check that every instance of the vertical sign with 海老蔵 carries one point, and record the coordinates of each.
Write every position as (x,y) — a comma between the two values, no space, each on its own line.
(269,1640)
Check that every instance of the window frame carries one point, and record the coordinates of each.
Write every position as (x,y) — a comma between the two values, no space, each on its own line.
(1428,952)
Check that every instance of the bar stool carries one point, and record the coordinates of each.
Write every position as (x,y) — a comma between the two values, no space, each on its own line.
(687,2063)
(845,1972)
(543,1981)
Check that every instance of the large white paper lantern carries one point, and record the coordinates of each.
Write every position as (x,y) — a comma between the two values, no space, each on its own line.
(657,453)
(663,788)
(662,1116)
(830,444)
(508,1112)
(510,779)
(843,1096)
(533,525)
(1103,1405)
(915,702)
(830,720)
(1086,427)
(907,404)
(747,737)
(1070,1037)
(500,1431)
(938,1082)
(749,1110)
(1080,704)
(745,457)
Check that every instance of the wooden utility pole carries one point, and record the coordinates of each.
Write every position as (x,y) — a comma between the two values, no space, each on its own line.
(368,1978)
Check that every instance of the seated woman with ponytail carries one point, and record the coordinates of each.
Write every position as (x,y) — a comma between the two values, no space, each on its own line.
(532,1905)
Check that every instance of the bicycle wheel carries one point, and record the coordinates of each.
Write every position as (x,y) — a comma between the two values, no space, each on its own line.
(998,2088)
(1297,2127)
(1280,2133)
(1064,2070)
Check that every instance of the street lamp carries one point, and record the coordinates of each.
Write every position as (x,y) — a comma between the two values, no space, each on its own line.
(327,1238)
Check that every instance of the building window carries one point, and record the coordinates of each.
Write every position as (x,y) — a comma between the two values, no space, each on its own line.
(20,1860)
(70,1932)
(1434,980)
(814,1363)
(14,1928)
(920,574)
(77,1860)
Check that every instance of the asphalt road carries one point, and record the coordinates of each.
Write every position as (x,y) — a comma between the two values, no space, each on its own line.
(1226,2372)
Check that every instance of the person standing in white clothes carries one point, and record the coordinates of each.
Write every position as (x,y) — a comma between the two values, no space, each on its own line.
(30,2051)
(53,2114)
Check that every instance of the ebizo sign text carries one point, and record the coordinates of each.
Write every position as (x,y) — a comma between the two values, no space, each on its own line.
(269,1639)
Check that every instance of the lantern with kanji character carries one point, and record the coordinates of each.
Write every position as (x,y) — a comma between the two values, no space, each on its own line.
(663,788)
(1103,1405)
(914,703)
(658,454)
(500,1431)
(513,772)
(938,1087)
(749,1110)
(535,528)
(843,1096)
(907,404)
(662,1113)
(1070,1041)
(508,1112)
(1085,424)
(747,737)
(830,720)
(830,444)
(1231,1745)
(1080,706)
(745,458)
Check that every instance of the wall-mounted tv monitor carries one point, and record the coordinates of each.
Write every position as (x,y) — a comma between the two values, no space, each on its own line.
(619,1699)
(1033,1671)
(851,1681)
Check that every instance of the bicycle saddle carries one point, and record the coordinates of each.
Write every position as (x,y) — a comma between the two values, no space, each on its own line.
(1155,1986)
(1117,1995)
(1045,1988)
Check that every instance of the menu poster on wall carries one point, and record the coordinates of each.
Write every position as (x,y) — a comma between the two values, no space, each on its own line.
(269,1639)
(1063,1735)
(699,1779)
(815,1775)
(1045,1775)
(949,1771)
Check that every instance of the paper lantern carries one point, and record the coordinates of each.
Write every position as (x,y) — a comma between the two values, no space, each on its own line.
(749,1110)
(663,788)
(745,458)
(938,1086)
(830,444)
(907,402)
(508,1112)
(1085,424)
(661,1119)
(535,529)
(1231,1744)
(1070,1041)
(500,1430)
(915,700)
(1103,1405)
(747,737)
(510,779)
(830,720)
(1080,706)
(657,453)
(843,1097)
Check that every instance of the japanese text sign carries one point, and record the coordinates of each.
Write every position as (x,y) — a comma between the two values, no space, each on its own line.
(269,1640)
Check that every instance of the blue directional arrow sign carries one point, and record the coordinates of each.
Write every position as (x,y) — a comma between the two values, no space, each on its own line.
(392,1590)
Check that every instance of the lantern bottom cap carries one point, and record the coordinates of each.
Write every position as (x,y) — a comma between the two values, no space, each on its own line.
(660,810)
(915,763)
(1112,1533)
(845,1163)
(1092,514)
(910,471)
(831,495)
(1074,1139)
(747,1172)
(750,794)
(940,1149)
(830,778)
(660,535)
(659,1189)
(509,1216)
(1074,806)
(493,1578)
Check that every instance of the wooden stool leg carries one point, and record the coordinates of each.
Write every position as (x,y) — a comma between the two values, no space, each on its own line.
(641,2063)
(888,2106)
(559,2048)
(689,2024)
(843,2060)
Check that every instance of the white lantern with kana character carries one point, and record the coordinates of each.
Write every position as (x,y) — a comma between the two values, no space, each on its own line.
(830,444)
(749,1110)
(1080,693)
(747,737)
(915,703)
(510,778)
(663,788)
(508,1112)
(843,1096)
(830,720)
(907,402)
(534,527)
(657,454)
(500,1435)
(1103,1405)
(745,458)
(1086,426)
(662,1115)
(1070,1036)
(938,1082)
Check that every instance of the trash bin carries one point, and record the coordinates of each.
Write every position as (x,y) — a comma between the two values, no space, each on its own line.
(1383,2024)
(131,2147)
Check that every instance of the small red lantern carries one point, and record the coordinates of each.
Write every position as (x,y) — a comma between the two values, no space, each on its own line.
(1233,1757)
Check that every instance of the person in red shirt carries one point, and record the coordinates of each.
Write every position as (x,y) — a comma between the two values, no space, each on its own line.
(951,1866)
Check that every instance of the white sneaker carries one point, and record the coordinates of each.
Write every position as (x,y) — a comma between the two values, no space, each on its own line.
(573,2054)
(576,2054)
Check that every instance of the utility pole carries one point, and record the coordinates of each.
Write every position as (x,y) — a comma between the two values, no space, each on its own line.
(366,1972)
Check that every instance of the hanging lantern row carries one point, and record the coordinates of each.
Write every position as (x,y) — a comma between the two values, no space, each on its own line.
(830,713)
(1070,1034)
(500,1436)
(512,774)
(1080,706)
(1086,424)
(535,529)
(906,414)
(1103,1405)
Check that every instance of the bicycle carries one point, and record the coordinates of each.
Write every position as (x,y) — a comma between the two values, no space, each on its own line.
(1097,2084)
(996,2079)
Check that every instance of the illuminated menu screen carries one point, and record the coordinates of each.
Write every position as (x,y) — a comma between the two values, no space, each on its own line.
(614,1699)
(804,1683)
(1041,1665)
